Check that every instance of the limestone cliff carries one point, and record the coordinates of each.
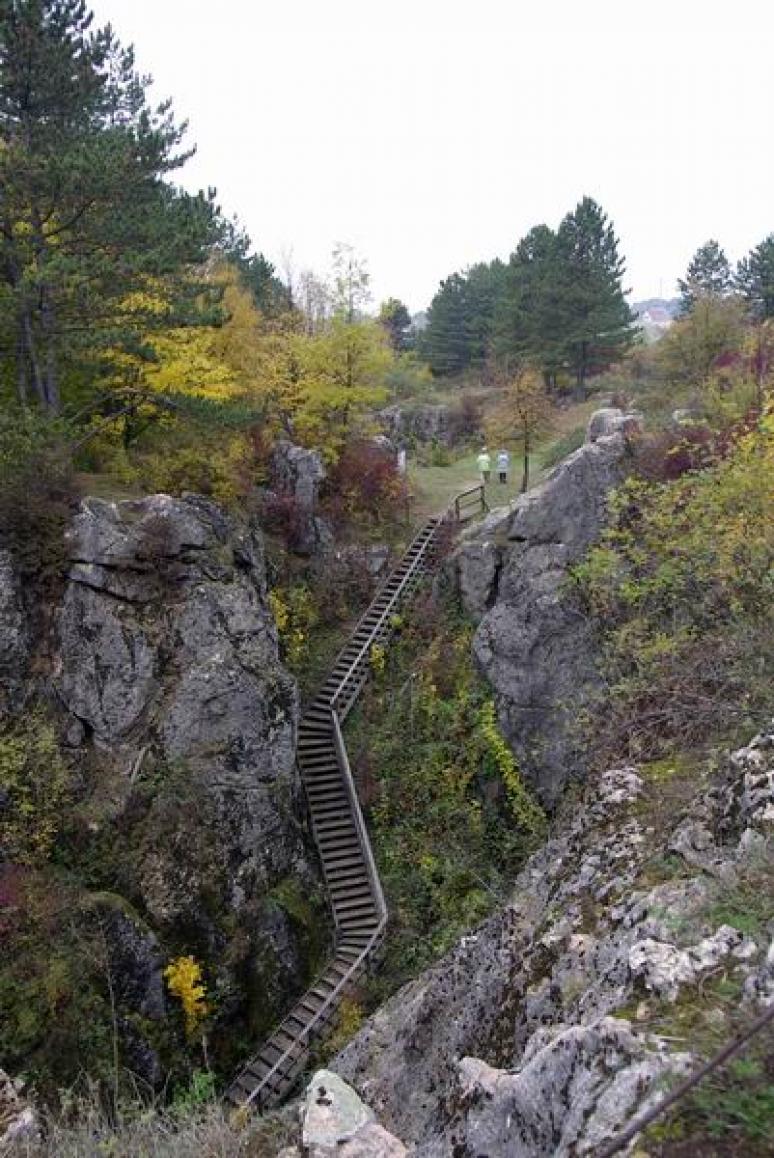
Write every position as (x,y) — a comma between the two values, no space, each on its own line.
(178,719)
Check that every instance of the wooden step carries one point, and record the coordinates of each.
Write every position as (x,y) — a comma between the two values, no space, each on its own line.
(336,845)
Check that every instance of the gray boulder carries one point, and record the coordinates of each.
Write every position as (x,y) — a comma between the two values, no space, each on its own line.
(610,420)
(333,1113)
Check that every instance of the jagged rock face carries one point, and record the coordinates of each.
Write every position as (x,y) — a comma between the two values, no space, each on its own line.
(532,645)
(298,473)
(515,1042)
(574,1086)
(426,423)
(570,507)
(183,720)
(168,654)
(14,638)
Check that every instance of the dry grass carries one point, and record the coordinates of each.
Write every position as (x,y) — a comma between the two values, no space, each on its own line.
(207,1131)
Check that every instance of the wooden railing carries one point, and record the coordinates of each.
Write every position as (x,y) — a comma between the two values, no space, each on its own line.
(470,503)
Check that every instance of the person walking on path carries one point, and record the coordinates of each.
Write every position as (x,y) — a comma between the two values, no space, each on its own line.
(503,465)
(484,463)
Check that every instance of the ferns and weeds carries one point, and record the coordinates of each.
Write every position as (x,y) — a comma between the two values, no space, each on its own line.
(451,818)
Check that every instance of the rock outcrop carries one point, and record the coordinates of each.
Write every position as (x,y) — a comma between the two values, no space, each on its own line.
(611,420)
(296,474)
(168,661)
(180,725)
(429,422)
(535,1035)
(532,644)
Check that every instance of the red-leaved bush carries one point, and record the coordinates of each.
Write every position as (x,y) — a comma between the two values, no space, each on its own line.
(364,483)
(669,454)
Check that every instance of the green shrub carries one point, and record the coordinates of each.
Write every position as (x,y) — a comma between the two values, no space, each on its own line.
(681,590)
(451,819)
(37,492)
(35,783)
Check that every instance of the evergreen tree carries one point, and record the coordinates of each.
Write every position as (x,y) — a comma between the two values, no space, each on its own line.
(594,320)
(528,327)
(446,340)
(708,275)
(87,218)
(485,286)
(460,321)
(396,319)
(260,278)
(755,278)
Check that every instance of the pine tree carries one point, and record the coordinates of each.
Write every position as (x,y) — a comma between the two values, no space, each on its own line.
(446,340)
(594,320)
(460,321)
(755,278)
(528,327)
(708,275)
(87,218)
(396,319)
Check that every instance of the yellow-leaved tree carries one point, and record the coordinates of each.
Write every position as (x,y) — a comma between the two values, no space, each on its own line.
(523,415)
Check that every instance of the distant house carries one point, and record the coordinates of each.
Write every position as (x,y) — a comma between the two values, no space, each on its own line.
(656,315)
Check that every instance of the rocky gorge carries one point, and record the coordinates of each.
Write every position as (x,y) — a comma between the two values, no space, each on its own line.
(635,940)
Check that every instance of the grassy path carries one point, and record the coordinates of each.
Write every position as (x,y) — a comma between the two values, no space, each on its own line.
(434,487)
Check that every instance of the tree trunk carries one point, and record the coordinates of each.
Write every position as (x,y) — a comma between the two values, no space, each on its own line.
(32,357)
(525,471)
(49,330)
(22,383)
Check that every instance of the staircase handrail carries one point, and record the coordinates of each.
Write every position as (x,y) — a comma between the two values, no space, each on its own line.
(302,1038)
(478,489)
(360,824)
(394,598)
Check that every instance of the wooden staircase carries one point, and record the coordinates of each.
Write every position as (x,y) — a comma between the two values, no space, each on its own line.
(349,869)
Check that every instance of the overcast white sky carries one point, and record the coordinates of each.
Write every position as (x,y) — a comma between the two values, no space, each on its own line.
(431,133)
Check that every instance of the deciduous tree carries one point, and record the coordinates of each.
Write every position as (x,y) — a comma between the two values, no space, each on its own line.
(523,415)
